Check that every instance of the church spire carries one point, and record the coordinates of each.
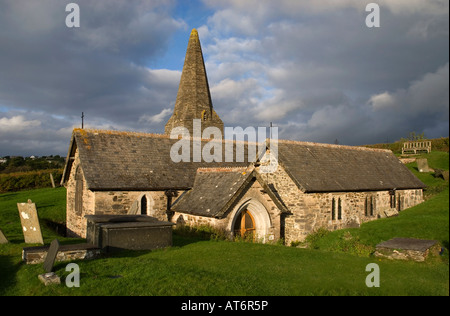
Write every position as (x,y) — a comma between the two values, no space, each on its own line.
(193,98)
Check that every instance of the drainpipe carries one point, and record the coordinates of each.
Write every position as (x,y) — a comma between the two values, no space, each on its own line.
(170,194)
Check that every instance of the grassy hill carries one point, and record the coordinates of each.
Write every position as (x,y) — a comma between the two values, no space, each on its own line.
(334,263)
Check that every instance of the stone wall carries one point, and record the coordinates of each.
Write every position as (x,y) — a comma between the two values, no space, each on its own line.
(75,223)
(311,211)
(259,204)
(106,202)
(122,203)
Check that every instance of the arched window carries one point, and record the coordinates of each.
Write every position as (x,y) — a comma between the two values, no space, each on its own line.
(144,205)
(371,206)
(366,207)
(339,209)
(333,209)
(79,187)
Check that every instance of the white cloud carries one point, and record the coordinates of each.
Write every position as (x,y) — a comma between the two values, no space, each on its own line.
(382,100)
(17,123)
(427,95)
(158,118)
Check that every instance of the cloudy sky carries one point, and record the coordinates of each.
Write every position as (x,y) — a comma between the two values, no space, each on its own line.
(313,68)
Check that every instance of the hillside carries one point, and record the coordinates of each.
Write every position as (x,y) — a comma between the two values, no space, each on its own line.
(437,144)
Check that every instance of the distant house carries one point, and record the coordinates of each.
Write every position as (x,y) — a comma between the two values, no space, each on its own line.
(313,186)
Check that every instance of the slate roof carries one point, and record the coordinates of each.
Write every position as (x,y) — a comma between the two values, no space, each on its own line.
(217,190)
(212,191)
(124,161)
(113,160)
(335,168)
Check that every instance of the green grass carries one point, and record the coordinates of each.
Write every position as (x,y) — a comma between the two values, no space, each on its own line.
(51,207)
(204,267)
(227,268)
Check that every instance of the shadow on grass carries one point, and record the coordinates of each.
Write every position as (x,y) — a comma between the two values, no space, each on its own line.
(8,271)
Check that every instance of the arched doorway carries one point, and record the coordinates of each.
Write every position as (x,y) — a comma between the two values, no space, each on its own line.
(251,218)
(244,225)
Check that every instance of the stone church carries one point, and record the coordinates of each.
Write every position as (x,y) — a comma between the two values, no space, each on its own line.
(314,185)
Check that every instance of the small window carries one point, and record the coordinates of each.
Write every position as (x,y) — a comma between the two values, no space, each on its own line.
(339,209)
(392,198)
(333,209)
(144,205)
(366,207)
(371,206)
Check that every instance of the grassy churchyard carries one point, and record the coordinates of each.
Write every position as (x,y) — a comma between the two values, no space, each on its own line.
(333,263)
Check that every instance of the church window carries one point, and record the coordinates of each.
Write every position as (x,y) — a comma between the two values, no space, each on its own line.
(79,186)
(144,205)
(371,206)
(366,207)
(339,209)
(392,198)
(333,209)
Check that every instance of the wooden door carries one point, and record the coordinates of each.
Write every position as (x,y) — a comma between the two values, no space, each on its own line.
(245,225)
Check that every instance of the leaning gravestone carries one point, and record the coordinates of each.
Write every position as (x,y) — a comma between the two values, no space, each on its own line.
(30,223)
(51,256)
(49,277)
(3,239)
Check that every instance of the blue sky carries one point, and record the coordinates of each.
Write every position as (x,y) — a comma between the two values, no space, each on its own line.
(313,68)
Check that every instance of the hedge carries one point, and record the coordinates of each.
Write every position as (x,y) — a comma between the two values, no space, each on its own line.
(29,180)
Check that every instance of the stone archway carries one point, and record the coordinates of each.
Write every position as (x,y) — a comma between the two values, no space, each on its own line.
(258,219)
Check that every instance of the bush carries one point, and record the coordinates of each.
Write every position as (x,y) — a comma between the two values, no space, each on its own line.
(205,232)
(313,238)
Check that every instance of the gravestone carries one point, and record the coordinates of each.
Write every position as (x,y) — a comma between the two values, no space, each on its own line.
(422,165)
(49,277)
(51,256)
(30,222)
(3,239)
(439,173)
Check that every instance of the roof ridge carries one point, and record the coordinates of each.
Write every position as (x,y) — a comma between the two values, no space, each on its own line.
(333,145)
(115,132)
(224,169)
(84,131)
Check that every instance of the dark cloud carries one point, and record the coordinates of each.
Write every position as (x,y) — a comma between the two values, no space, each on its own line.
(312,68)
(99,68)
(318,65)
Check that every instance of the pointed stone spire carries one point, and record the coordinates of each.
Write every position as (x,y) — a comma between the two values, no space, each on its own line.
(193,98)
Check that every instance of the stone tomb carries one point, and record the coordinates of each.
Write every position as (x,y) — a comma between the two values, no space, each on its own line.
(133,232)
(30,223)
(407,249)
